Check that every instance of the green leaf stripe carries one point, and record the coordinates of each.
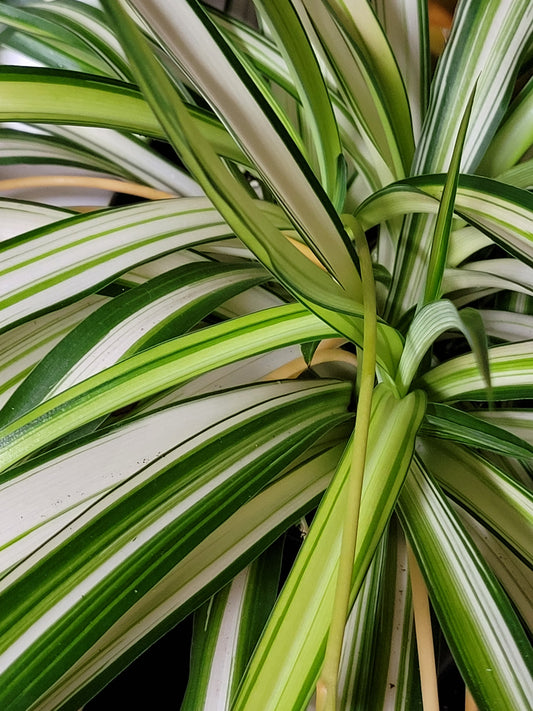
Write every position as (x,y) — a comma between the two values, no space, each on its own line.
(133,536)
(481,628)
(155,370)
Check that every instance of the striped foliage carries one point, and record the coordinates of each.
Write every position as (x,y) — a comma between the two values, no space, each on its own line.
(320,177)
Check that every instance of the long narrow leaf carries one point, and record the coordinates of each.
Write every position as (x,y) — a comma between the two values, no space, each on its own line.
(154,370)
(287,662)
(164,307)
(488,643)
(53,96)
(133,536)
(485,490)
(209,61)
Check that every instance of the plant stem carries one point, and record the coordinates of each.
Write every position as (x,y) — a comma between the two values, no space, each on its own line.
(424,636)
(327,683)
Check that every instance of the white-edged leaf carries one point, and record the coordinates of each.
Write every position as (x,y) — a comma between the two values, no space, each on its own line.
(53,265)
(427,325)
(287,661)
(157,369)
(502,212)
(133,536)
(511,372)
(485,490)
(208,61)
(405,24)
(209,566)
(480,429)
(129,156)
(226,629)
(25,345)
(481,628)
(162,308)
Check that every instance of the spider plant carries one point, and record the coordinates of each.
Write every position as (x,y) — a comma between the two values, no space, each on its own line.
(327,323)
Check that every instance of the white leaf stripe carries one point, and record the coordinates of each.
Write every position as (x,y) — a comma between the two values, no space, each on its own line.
(210,565)
(19,216)
(502,212)
(429,323)
(358,96)
(267,60)
(467,599)
(127,155)
(404,24)
(23,147)
(178,512)
(208,60)
(165,306)
(515,576)
(61,97)
(511,370)
(513,137)
(501,503)
(53,265)
(49,38)
(295,46)
(46,493)
(360,634)
(90,23)
(369,42)
(480,430)
(486,42)
(287,660)
(24,346)
(157,369)
(516,421)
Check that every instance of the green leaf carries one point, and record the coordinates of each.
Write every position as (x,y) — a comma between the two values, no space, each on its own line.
(481,628)
(24,346)
(210,565)
(65,35)
(514,136)
(58,485)
(369,44)
(162,308)
(427,325)
(54,96)
(131,538)
(361,637)
(85,252)
(476,430)
(500,211)
(19,217)
(511,372)
(212,66)
(295,47)
(438,255)
(226,628)
(405,24)
(375,156)
(155,370)
(516,421)
(287,661)
(514,575)
(492,274)
(303,278)
(485,490)
(485,46)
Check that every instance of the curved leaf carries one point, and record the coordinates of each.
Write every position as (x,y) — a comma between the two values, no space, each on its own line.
(481,628)
(132,537)
(163,307)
